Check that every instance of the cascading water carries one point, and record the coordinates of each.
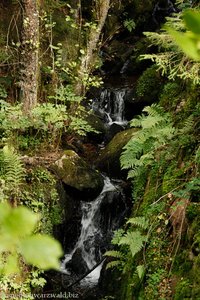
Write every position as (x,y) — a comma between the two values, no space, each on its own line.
(110,106)
(93,235)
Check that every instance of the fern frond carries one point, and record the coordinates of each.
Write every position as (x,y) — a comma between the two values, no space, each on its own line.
(113,253)
(140,271)
(156,131)
(171,60)
(137,122)
(113,264)
(12,170)
(135,240)
(197,156)
(188,125)
(139,221)
(154,110)
(134,173)
(151,121)
(118,234)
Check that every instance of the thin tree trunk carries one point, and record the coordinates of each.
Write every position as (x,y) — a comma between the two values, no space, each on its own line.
(87,61)
(29,55)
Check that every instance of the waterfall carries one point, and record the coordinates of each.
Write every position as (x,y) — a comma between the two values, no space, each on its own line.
(110,106)
(92,234)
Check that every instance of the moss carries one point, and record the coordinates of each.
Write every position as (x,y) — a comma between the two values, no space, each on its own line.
(183,290)
(171,94)
(192,211)
(182,259)
(171,177)
(149,85)
(153,188)
(76,173)
(108,159)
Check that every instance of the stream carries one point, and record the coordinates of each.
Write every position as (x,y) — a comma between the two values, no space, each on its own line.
(100,217)
(95,231)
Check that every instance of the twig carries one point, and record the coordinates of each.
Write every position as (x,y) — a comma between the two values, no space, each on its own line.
(167,194)
(8,33)
(87,273)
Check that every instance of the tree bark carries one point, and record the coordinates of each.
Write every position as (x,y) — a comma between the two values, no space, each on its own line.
(102,7)
(29,55)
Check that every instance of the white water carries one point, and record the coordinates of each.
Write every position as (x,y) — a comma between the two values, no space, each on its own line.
(89,230)
(111,106)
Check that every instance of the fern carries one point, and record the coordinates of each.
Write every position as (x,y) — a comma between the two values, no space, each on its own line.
(188,125)
(129,244)
(139,222)
(11,169)
(155,131)
(113,264)
(140,271)
(135,173)
(113,253)
(170,59)
(135,240)
(197,156)
(117,236)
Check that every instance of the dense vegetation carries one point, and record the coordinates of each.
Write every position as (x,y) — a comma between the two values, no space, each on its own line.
(50,58)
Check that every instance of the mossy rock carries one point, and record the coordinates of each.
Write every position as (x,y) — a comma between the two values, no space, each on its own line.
(78,174)
(149,85)
(109,158)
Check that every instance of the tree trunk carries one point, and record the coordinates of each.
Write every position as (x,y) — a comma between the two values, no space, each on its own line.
(86,66)
(29,55)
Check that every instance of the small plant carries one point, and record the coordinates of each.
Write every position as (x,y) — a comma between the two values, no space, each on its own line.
(11,171)
(155,131)
(129,243)
(178,47)
(129,24)
(64,95)
(189,40)
(3,93)
(47,120)
(17,239)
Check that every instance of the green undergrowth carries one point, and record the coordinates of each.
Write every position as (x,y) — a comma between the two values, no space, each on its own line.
(45,126)
(164,170)
(39,193)
(29,210)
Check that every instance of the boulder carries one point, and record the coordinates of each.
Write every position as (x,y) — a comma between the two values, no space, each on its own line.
(112,130)
(78,264)
(108,159)
(97,124)
(78,175)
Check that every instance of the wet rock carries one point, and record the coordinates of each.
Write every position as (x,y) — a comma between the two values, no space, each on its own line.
(78,264)
(108,159)
(78,174)
(96,123)
(112,131)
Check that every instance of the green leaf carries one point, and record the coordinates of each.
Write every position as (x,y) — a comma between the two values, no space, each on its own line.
(192,20)
(140,271)
(20,222)
(139,221)
(4,211)
(11,265)
(54,47)
(41,251)
(186,43)
(113,264)
(113,253)
(6,243)
(82,51)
